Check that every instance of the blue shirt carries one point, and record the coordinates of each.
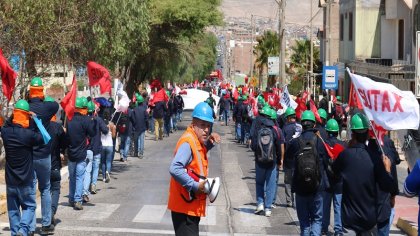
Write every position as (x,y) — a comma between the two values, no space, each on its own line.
(412,184)
(182,158)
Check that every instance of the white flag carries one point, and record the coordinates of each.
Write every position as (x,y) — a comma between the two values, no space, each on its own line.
(286,100)
(385,104)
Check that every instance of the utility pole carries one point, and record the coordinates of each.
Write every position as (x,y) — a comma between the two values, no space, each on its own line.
(251,69)
(282,38)
(311,71)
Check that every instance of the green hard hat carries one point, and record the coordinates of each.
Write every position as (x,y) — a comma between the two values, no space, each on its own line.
(289,111)
(308,115)
(91,106)
(339,98)
(359,122)
(244,97)
(322,113)
(22,105)
(168,93)
(85,102)
(79,102)
(265,110)
(49,99)
(260,99)
(273,114)
(36,82)
(332,126)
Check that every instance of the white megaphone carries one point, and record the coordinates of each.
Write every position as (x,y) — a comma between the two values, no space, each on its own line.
(211,188)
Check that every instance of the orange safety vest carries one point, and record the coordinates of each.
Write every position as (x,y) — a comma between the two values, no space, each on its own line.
(199,164)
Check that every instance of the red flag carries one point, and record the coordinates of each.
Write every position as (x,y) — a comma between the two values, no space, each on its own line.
(315,111)
(8,77)
(334,151)
(353,99)
(99,75)
(379,130)
(69,101)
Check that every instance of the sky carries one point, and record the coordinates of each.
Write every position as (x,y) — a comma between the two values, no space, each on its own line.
(297,11)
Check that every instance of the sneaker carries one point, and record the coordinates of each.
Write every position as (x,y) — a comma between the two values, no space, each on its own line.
(122,159)
(85,198)
(103,180)
(53,221)
(259,209)
(107,178)
(274,206)
(93,189)
(78,206)
(71,203)
(47,229)
(268,213)
(141,156)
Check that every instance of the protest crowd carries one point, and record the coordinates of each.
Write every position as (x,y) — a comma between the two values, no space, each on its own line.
(332,152)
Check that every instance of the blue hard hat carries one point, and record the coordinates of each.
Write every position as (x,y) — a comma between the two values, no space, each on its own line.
(203,112)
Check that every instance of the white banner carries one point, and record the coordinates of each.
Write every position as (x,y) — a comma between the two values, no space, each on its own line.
(273,65)
(385,104)
(286,100)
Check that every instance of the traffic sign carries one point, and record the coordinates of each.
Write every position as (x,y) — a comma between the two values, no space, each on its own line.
(273,65)
(330,77)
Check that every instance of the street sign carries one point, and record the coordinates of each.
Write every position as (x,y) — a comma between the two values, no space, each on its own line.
(330,77)
(273,65)
(417,80)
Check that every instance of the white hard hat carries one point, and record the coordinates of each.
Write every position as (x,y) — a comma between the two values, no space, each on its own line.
(212,187)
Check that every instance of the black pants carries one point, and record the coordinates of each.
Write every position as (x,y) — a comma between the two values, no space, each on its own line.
(185,225)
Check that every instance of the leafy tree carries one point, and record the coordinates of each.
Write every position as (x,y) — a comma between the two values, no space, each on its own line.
(301,58)
(268,45)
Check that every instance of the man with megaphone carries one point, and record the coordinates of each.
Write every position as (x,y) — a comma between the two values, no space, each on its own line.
(189,185)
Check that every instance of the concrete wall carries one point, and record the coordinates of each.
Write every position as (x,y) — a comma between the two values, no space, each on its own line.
(389,38)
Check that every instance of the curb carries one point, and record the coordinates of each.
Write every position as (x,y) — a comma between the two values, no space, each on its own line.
(407,226)
(3,203)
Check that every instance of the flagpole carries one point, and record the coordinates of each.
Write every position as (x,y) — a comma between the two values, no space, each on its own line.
(370,123)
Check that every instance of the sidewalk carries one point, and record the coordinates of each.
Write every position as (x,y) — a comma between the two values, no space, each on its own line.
(406,211)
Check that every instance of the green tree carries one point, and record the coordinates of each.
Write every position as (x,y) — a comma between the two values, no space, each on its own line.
(268,45)
(300,59)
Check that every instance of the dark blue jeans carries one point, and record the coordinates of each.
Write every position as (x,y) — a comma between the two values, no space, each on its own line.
(328,198)
(265,180)
(55,190)
(43,174)
(21,197)
(309,211)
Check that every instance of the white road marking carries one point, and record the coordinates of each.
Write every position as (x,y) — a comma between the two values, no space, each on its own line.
(100,211)
(150,214)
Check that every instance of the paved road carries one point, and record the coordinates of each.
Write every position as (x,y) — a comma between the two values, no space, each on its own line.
(134,202)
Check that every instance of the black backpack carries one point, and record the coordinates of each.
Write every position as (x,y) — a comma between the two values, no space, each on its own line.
(265,146)
(308,173)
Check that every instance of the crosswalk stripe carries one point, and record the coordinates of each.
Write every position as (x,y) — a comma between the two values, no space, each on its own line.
(101,211)
(150,214)
(210,218)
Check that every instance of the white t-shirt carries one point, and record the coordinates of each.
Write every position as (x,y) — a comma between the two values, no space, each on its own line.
(106,139)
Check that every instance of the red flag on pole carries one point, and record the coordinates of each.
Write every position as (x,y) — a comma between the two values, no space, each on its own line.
(8,77)
(379,130)
(315,111)
(99,75)
(333,151)
(69,101)
(353,99)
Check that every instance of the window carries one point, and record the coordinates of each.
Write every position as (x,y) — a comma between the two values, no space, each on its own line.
(350,26)
(401,40)
(341,27)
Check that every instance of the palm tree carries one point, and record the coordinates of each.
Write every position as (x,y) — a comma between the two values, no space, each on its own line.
(268,45)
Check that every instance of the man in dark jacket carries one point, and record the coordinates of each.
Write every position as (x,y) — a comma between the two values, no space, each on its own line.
(289,131)
(321,126)
(334,192)
(44,110)
(58,142)
(361,169)
(324,101)
(93,157)
(79,129)
(308,201)
(158,113)
(139,118)
(265,172)
(179,104)
(18,142)
(237,117)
